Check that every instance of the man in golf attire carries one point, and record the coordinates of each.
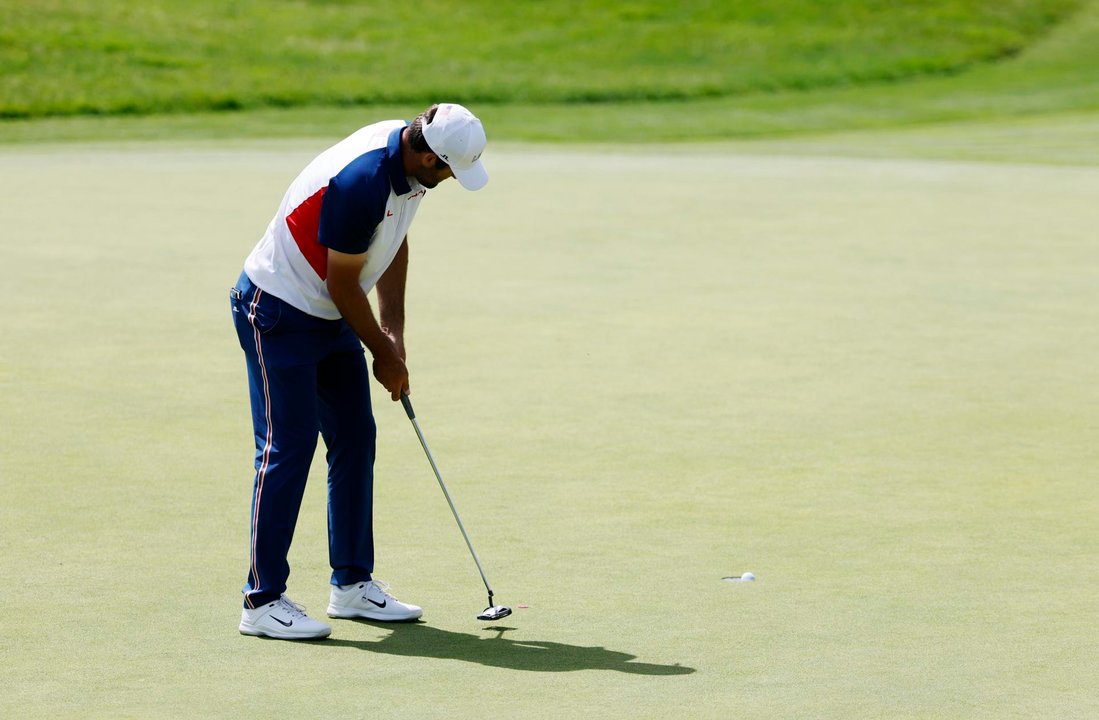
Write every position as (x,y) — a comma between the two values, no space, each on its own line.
(302,316)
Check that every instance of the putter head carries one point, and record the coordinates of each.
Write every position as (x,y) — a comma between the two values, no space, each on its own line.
(494,613)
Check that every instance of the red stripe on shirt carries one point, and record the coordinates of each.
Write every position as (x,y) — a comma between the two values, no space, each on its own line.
(304,224)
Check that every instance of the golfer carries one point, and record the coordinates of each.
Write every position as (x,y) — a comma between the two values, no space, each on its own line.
(302,316)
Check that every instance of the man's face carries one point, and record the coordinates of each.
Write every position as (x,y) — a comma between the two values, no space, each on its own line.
(433,171)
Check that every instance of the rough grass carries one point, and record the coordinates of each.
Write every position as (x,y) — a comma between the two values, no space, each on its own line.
(167,56)
(1053,75)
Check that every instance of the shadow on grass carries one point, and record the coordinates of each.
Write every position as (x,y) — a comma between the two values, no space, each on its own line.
(421,640)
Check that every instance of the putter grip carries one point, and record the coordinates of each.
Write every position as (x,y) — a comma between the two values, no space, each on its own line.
(407,406)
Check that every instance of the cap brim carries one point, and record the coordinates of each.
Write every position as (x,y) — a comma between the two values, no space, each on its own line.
(474,177)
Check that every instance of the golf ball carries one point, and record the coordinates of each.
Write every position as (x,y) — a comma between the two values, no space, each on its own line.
(747,576)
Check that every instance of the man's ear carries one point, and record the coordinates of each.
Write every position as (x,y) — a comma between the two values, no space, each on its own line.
(428,159)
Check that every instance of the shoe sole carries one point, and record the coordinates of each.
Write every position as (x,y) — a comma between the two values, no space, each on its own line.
(357,614)
(257,632)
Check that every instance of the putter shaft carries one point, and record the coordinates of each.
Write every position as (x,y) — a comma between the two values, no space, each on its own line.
(446,493)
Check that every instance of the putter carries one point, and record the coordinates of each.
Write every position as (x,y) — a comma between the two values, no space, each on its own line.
(492,612)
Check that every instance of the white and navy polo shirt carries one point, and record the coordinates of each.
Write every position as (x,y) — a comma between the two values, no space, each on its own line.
(353,198)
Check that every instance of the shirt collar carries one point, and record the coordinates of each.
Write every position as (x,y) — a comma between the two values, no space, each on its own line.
(396,167)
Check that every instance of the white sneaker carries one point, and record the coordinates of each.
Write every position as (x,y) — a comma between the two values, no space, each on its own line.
(283,619)
(370,600)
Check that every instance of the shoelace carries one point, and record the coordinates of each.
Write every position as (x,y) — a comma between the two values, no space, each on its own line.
(292,607)
(384,587)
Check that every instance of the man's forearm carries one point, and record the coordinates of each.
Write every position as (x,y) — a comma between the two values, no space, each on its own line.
(354,305)
(391,291)
(351,301)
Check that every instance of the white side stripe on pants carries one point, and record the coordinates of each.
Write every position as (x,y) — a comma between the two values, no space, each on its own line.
(268,441)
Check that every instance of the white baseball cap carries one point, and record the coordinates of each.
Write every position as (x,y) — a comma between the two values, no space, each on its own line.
(456,135)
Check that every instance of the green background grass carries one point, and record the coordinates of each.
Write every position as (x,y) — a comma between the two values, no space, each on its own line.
(128,56)
(761,69)
(642,367)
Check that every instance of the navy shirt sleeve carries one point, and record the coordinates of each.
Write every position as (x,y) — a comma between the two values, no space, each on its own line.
(354,204)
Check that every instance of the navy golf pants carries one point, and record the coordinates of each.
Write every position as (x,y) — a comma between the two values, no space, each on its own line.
(305,375)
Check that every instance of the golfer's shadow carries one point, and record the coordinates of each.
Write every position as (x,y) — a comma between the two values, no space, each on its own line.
(422,640)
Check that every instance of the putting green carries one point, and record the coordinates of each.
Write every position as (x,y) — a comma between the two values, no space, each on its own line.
(870,382)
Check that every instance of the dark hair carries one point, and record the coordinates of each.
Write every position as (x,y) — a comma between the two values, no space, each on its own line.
(416,131)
